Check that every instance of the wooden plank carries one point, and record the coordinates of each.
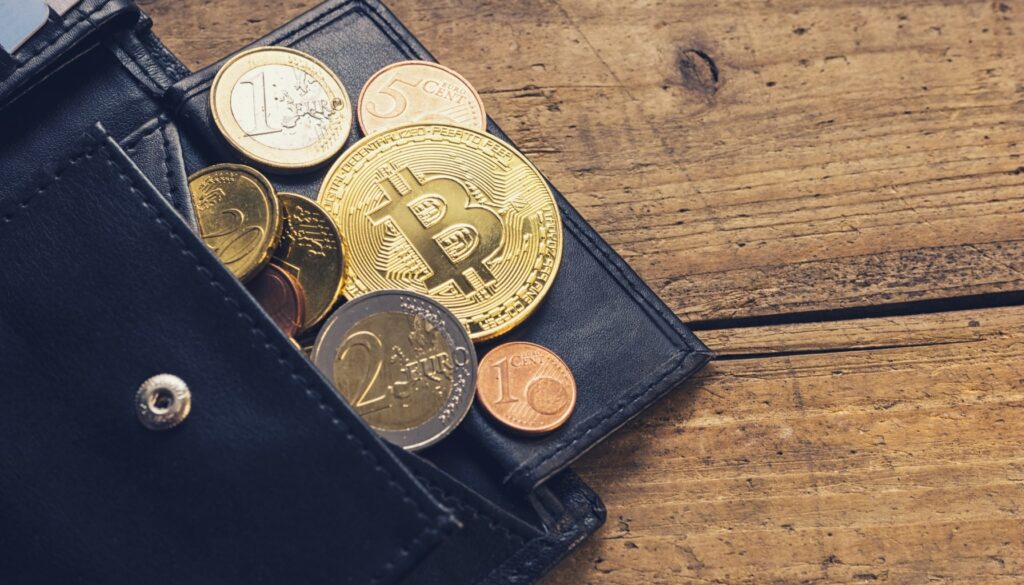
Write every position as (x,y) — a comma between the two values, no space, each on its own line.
(837,154)
(898,465)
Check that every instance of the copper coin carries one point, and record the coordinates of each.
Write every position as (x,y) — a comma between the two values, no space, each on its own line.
(418,92)
(280,296)
(526,387)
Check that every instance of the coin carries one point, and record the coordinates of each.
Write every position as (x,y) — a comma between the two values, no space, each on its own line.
(281,108)
(404,364)
(419,92)
(238,215)
(281,297)
(449,212)
(312,251)
(526,387)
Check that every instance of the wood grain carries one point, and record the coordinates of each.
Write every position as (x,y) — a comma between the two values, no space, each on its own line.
(832,192)
(896,465)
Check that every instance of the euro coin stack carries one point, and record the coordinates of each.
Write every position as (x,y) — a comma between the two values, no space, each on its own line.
(433,233)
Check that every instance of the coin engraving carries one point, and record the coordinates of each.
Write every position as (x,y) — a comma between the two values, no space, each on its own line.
(418,92)
(526,387)
(403,362)
(312,251)
(281,108)
(238,215)
(451,213)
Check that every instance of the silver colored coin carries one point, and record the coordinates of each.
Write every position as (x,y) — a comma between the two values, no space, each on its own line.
(403,362)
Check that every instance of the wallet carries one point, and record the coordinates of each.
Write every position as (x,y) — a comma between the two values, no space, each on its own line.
(273,478)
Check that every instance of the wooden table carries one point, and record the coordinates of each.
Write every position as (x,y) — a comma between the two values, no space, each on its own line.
(831,192)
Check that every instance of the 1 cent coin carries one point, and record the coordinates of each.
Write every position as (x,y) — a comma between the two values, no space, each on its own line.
(281,297)
(281,108)
(403,362)
(526,387)
(238,214)
(419,92)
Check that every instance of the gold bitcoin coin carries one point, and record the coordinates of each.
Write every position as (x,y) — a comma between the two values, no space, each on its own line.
(238,214)
(281,108)
(449,212)
(419,92)
(312,251)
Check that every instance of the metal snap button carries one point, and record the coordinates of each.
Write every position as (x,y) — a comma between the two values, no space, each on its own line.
(162,402)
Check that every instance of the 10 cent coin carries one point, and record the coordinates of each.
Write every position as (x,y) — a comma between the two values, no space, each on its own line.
(238,215)
(404,364)
(526,387)
(311,250)
(281,108)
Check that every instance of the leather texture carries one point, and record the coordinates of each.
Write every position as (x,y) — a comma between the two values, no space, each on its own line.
(272,478)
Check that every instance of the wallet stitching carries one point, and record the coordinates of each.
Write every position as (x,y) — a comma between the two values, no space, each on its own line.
(171,186)
(130,146)
(256,331)
(494,522)
(601,417)
(64,28)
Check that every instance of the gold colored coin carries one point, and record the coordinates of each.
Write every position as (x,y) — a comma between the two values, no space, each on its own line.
(448,212)
(281,108)
(526,387)
(312,250)
(419,92)
(238,215)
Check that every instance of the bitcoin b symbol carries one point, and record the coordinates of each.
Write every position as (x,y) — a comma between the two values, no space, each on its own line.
(451,234)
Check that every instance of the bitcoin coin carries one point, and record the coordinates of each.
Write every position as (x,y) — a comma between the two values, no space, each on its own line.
(418,92)
(449,212)
(238,215)
(280,295)
(281,108)
(526,387)
(312,251)
(404,364)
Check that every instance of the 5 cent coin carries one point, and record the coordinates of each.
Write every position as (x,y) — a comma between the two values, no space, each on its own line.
(281,108)
(526,387)
(280,295)
(238,214)
(403,362)
(419,92)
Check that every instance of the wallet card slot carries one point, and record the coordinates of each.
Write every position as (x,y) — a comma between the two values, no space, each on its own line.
(625,347)
(271,478)
(49,47)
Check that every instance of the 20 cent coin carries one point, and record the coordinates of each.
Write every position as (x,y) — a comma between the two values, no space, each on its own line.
(281,108)
(449,212)
(526,387)
(238,215)
(404,364)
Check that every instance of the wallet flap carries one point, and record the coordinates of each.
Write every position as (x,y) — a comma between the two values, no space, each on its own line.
(270,479)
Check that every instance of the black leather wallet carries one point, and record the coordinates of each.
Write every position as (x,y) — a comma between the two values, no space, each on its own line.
(272,479)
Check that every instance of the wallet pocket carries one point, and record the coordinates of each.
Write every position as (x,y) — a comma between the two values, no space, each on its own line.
(624,346)
(270,479)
